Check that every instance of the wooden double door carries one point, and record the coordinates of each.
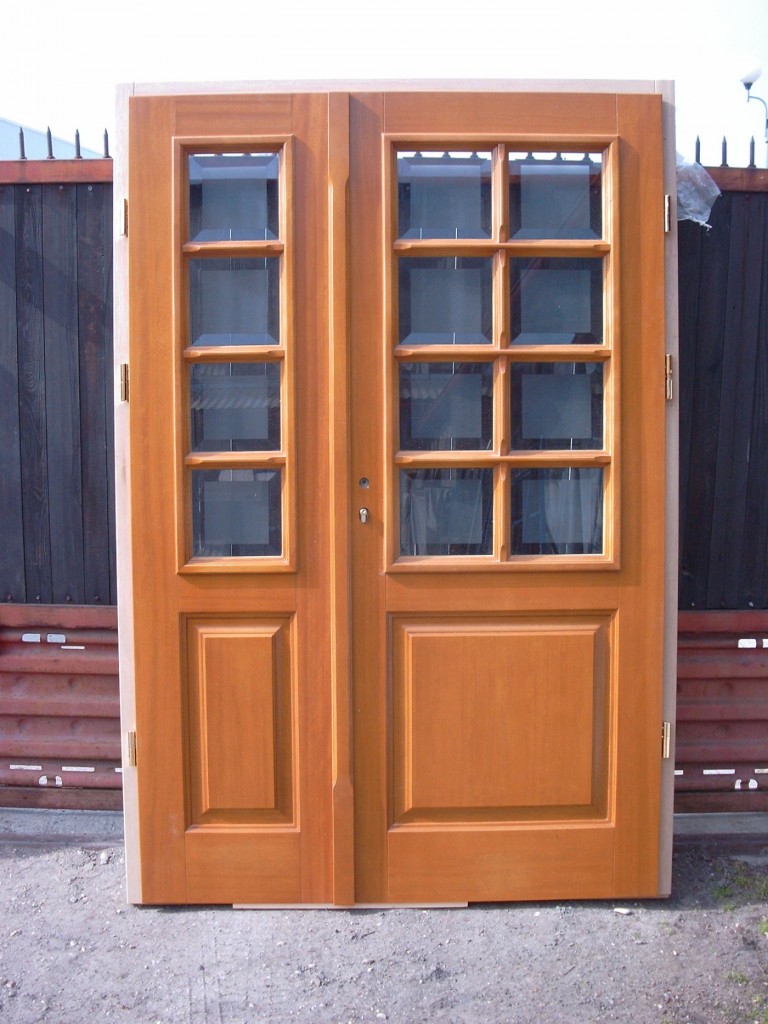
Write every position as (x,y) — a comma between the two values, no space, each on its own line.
(397,494)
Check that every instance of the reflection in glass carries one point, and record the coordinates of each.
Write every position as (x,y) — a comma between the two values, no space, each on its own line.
(233,196)
(236,512)
(446,511)
(557,511)
(444,195)
(445,301)
(446,406)
(557,405)
(234,301)
(556,301)
(235,407)
(555,196)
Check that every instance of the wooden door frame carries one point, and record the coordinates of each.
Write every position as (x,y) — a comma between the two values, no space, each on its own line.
(337,252)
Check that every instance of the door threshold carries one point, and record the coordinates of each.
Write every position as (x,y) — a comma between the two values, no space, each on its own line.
(349,906)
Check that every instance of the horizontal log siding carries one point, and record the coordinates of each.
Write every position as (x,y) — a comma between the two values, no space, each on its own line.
(721,758)
(59,708)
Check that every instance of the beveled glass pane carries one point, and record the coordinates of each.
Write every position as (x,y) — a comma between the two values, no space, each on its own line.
(236,512)
(445,301)
(557,405)
(556,301)
(233,196)
(557,511)
(446,511)
(235,407)
(234,301)
(555,195)
(446,406)
(444,195)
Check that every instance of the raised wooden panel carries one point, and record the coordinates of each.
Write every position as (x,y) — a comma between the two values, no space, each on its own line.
(500,719)
(240,733)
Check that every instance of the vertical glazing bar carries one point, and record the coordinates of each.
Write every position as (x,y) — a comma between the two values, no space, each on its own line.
(500,191)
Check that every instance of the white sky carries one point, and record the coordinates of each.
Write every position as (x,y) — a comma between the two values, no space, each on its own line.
(62,60)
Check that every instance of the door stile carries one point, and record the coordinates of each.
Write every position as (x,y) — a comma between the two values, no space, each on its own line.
(343,500)
(371,738)
(641,610)
(160,765)
(311,326)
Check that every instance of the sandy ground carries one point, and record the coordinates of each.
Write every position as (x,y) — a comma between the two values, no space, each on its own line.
(72,950)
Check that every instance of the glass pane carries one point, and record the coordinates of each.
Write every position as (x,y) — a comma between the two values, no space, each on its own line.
(556,301)
(446,511)
(233,196)
(557,405)
(557,512)
(555,195)
(236,512)
(445,301)
(444,195)
(234,301)
(446,406)
(235,407)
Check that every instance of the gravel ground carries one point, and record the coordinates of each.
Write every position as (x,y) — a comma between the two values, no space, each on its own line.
(72,950)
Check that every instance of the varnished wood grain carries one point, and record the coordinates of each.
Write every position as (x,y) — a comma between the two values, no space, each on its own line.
(394,857)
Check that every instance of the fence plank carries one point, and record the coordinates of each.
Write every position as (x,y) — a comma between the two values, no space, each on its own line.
(12,586)
(689,263)
(62,393)
(94,269)
(754,590)
(703,335)
(32,394)
(742,290)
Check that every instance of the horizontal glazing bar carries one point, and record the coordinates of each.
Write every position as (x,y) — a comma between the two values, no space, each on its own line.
(235,460)
(234,353)
(539,247)
(561,459)
(222,249)
(523,354)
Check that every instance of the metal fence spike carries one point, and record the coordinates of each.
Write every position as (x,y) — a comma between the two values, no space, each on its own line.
(725,153)
(697,156)
(22,152)
(751,163)
(106,144)
(49,141)
(78,154)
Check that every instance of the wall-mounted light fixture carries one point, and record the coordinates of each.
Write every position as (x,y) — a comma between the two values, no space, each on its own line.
(748,81)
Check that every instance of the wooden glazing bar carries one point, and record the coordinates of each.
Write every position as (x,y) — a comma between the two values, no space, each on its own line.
(234,354)
(235,460)
(485,353)
(567,248)
(469,460)
(235,250)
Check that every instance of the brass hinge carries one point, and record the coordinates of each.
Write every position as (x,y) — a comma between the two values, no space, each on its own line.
(125,218)
(131,748)
(667,214)
(668,376)
(666,740)
(125,380)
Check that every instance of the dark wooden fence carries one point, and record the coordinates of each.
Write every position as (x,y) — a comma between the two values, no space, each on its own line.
(59,725)
(56,477)
(724,406)
(722,718)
